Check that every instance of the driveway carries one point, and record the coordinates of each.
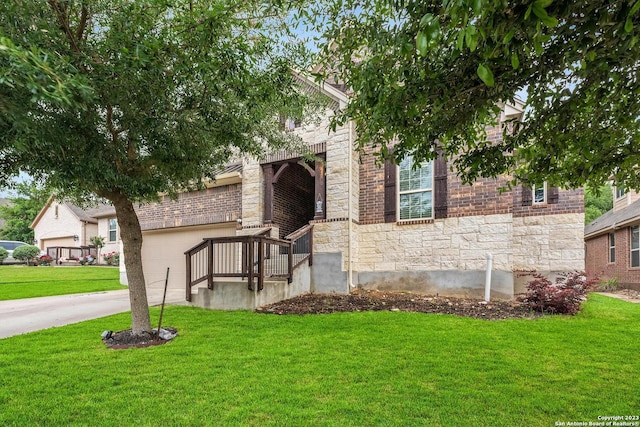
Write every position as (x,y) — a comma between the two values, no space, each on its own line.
(32,314)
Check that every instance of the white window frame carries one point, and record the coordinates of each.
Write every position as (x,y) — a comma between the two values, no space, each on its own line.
(612,247)
(636,229)
(115,229)
(544,194)
(420,190)
(620,192)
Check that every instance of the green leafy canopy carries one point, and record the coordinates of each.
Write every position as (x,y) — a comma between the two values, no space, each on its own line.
(423,71)
(22,210)
(125,99)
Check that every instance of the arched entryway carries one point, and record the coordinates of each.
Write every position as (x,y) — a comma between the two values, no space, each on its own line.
(294,194)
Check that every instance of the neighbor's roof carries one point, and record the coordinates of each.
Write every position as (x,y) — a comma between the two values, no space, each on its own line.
(613,219)
(91,214)
(86,215)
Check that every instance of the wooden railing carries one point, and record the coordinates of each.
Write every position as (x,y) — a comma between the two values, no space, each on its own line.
(253,257)
(70,253)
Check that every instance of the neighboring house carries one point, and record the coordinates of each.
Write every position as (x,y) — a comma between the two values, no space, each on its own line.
(385,227)
(613,241)
(63,224)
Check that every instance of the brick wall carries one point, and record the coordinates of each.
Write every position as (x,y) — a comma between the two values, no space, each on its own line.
(481,198)
(293,204)
(210,206)
(569,201)
(371,189)
(597,259)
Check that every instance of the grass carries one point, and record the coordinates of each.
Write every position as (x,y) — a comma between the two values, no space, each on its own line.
(370,368)
(20,281)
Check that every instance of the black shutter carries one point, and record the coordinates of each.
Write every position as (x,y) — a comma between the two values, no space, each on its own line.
(390,202)
(440,186)
(552,196)
(527,196)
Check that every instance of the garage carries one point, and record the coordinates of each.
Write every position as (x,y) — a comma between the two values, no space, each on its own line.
(58,241)
(166,248)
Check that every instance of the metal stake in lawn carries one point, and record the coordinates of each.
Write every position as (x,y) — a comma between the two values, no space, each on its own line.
(164,297)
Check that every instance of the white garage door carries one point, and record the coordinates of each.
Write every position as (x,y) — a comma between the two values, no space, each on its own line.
(61,241)
(166,248)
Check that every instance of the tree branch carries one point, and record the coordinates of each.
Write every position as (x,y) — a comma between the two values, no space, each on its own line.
(84,15)
(64,24)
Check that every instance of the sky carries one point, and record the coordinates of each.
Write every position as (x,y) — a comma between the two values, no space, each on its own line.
(5,192)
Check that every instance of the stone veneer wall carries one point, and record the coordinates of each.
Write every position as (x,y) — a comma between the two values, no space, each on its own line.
(448,256)
(252,194)
(548,242)
(337,175)
(459,243)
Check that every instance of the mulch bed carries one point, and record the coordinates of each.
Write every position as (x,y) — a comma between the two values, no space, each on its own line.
(126,339)
(370,300)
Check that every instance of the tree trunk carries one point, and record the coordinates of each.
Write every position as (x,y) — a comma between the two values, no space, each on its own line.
(131,236)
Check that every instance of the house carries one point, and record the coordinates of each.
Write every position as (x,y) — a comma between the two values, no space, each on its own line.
(65,225)
(374,227)
(612,241)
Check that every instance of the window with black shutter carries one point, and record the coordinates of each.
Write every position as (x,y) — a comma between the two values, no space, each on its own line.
(527,195)
(390,172)
(440,186)
(552,197)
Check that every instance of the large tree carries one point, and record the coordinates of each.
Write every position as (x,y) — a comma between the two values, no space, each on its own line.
(597,201)
(424,71)
(22,210)
(170,90)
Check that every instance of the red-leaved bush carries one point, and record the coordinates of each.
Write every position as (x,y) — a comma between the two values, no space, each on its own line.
(563,297)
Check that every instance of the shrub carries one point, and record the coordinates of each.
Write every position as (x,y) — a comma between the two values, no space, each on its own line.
(608,285)
(3,254)
(45,260)
(26,253)
(112,258)
(563,297)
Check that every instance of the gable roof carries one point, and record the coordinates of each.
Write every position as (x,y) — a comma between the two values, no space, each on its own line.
(612,220)
(84,215)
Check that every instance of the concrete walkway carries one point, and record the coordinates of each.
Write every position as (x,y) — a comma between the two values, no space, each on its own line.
(619,296)
(33,314)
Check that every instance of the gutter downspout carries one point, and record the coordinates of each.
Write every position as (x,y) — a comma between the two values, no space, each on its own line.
(350,207)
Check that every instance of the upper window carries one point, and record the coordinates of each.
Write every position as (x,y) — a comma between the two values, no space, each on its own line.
(113,229)
(287,123)
(612,247)
(415,190)
(539,193)
(620,191)
(635,246)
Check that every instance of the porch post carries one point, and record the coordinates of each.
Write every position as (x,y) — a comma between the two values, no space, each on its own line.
(320,198)
(268,194)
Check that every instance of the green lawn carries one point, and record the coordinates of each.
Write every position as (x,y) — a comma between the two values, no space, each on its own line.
(20,281)
(370,368)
